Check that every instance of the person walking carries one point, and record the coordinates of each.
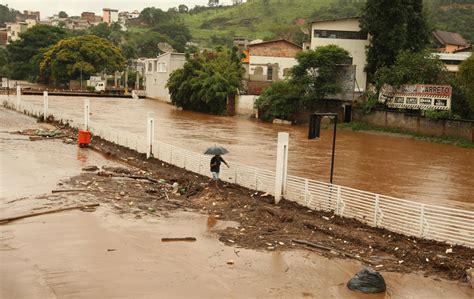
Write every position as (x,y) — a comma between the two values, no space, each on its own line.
(216,166)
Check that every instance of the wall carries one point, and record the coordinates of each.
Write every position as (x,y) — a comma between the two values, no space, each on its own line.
(355,47)
(156,81)
(244,104)
(417,124)
(274,49)
(278,72)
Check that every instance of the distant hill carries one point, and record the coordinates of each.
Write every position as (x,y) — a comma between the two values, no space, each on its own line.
(268,19)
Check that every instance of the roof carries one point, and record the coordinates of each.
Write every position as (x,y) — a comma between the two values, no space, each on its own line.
(449,38)
(335,20)
(466,49)
(274,41)
(110,9)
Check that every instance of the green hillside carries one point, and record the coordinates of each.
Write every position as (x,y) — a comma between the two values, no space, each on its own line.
(254,19)
(267,19)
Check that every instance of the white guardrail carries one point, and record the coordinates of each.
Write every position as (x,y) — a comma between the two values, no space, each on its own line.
(455,226)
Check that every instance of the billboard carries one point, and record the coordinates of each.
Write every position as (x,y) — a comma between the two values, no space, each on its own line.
(417,96)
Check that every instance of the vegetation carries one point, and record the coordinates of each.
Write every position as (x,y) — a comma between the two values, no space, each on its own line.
(86,55)
(394,26)
(7,15)
(412,68)
(358,126)
(453,16)
(312,79)
(206,81)
(4,70)
(26,53)
(465,79)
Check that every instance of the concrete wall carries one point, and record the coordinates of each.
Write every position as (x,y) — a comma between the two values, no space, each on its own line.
(355,47)
(280,64)
(244,104)
(274,49)
(417,124)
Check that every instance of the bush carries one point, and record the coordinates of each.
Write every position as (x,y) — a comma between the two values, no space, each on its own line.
(279,101)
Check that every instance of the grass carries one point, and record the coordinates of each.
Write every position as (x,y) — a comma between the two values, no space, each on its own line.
(251,19)
(457,141)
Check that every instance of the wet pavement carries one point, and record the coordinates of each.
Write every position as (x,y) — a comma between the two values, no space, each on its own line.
(390,165)
(101,254)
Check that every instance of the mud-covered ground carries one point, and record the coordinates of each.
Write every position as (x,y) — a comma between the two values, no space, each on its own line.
(155,188)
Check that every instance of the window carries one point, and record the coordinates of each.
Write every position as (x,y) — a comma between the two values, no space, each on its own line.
(161,67)
(270,73)
(155,68)
(150,67)
(340,34)
(258,70)
(155,81)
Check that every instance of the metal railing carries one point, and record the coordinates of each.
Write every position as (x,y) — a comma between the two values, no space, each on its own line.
(407,217)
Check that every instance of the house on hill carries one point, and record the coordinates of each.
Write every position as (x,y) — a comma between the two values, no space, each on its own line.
(268,62)
(448,42)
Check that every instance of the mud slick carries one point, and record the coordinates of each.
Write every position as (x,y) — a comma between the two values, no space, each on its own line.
(151,187)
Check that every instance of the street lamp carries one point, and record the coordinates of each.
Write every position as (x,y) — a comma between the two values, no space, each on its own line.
(315,130)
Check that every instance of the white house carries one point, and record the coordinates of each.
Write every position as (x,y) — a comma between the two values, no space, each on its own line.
(345,33)
(157,73)
(453,60)
(110,15)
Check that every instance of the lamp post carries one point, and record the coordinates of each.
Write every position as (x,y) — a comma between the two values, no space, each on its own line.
(315,130)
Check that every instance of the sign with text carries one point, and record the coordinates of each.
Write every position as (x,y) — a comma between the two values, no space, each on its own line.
(417,96)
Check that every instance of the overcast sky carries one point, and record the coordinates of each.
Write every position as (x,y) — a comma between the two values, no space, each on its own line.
(75,7)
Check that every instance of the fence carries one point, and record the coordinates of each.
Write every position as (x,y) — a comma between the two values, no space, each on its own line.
(410,218)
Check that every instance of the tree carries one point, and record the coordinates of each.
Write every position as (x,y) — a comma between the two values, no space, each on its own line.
(236,2)
(394,26)
(213,3)
(318,71)
(178,34)
(87,54)
(206,80)
(466,81)
(412,68)
(26,52)
(314,78)
(183,8)
(62,14)
(7,15)
(4,61)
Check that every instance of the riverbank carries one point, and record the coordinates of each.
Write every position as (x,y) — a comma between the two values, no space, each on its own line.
(152,187)
(360,126)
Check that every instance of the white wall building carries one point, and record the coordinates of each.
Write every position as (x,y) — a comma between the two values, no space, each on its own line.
(345,33)
(157,73)
(14,30)
(453,60)
(110,15)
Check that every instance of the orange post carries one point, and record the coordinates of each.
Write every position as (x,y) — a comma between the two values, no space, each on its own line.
(84,138)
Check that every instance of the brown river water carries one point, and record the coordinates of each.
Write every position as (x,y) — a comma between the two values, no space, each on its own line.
(390,165)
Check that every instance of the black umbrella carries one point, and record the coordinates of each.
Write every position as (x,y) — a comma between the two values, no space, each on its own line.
(216,150)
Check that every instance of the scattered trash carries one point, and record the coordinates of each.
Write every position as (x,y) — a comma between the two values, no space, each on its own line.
(367,281)
(120,170)
(400,261)
(90,168)
(230,262)
(396,248)
(265,194)
(122,193)
(325,218)
(427,260)
(470,277)
(185,239)
(130,203)
(271,248)
(449,250)
(379,266)
(111,249)
(281,243)
(231,241)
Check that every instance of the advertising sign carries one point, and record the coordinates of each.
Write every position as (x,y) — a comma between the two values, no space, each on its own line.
(417,96)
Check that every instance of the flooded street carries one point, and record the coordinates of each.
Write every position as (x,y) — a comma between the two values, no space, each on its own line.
(390,165)
(105,254)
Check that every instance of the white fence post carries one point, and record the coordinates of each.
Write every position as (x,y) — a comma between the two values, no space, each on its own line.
(87,109)
(422,220)
(45,105)
(18,97)
(376,210)
(150,134)
(338,201)
(281,165)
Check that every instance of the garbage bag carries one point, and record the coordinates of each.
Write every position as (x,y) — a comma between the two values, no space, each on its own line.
(367,281)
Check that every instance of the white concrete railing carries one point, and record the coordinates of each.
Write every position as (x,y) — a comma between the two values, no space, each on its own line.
(407,217)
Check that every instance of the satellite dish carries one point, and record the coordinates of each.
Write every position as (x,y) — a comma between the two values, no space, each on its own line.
(165,47)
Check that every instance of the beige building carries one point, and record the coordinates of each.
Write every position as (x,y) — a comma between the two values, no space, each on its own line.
(110,15)
(453,60)
(345,33)
(157,73)
(268,62)
(14,30)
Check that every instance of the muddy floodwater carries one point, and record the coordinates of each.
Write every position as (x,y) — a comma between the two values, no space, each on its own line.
(390,165)
(102,254)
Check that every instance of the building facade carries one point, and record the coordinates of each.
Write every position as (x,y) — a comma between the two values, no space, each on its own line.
(268,62)
(110,15)
(14,30)
(448,42)
(345,33)
(453,60)
(157,73)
